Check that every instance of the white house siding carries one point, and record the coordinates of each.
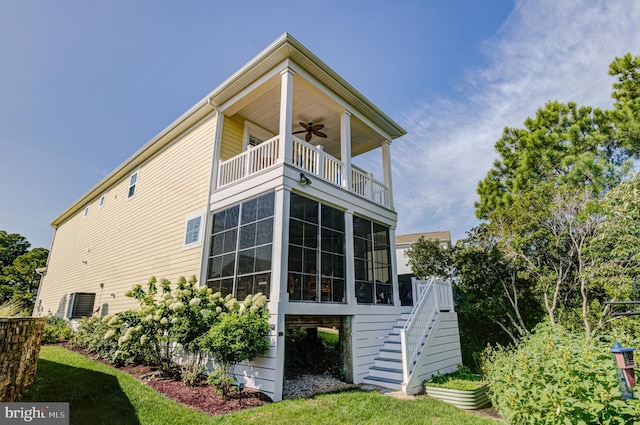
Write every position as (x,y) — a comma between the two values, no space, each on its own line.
(369,332)
(128,240)
(442,353)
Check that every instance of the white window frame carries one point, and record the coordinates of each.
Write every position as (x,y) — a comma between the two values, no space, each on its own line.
(187,219)
(251,129)
(134,185)
(102,198)
(86,211)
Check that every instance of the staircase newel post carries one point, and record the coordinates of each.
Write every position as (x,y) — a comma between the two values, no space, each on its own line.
(405,355)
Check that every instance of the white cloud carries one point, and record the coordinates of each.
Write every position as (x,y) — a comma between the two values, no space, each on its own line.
(545,50)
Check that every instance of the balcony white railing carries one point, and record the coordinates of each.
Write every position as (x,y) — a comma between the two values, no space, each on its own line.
(310,159)
(366,186)
(433,295)
(249,162)
(314,160)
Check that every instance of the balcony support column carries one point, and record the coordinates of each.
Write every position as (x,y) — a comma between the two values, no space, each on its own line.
(386,168)
(345,148)
(286,115)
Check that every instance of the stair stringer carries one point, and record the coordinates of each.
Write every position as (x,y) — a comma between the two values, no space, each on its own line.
(440,352)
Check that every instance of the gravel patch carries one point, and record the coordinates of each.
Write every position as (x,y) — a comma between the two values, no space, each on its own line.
(308,385)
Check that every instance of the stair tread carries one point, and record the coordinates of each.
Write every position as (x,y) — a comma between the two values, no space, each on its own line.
(389,350)
(385,369)
(387,380)
(388,360)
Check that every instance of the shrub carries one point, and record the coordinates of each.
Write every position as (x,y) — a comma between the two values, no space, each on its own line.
(557,377)
(90,336)
(55,330)
(461,379)
(240,334)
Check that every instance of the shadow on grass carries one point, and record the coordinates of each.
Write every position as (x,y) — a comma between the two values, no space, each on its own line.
(94,397)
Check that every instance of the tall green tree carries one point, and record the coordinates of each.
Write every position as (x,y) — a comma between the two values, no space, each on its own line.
(563,144)
(19,281)
(12,245)
(626,92)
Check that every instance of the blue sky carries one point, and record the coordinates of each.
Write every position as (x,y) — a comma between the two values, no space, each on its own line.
(83,84)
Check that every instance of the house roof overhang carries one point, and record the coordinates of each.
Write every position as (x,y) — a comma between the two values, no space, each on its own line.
(284,48)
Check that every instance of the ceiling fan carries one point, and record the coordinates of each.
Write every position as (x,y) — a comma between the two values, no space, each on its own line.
(311,130)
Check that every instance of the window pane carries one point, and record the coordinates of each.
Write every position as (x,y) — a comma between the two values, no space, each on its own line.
(266,206)
(338,291)
(249,210)
(193,231)
(231,217)
(361,248)
(246,260)
(364,292)
(332,241)
(248,236)
(263,258)
(296,232)
(380,234)
(295,286)
(228,264)
(226,287)
(245,287)
(295,259)
(361,227)
(362,270)
(332,218)
(310,261)
(264,231)
(382,255)
(218,221)
(263,284)
(215,267)
(297,207)
(383,273)
(309,289)
(216,244)
(310,235)
(230,240)
(384,294)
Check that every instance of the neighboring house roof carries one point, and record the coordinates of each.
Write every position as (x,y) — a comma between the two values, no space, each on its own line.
(442,236)
(285,47)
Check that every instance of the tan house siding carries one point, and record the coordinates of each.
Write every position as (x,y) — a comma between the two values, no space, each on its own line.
(232,134)
(127,240)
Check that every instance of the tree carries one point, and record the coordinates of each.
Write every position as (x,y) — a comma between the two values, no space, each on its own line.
(626,92)
(20,281)
(565,145)
(428,258)
(12,245)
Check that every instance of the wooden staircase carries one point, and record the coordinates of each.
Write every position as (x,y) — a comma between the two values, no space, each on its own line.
(411,351)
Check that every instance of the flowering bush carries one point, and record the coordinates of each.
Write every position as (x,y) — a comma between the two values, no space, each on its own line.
(240,334)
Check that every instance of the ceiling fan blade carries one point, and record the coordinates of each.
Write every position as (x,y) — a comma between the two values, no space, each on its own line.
(307,137)
(320,134)
(307,127)
(301,131)
(318,127)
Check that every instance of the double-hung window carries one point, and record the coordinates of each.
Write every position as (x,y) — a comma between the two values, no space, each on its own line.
(193,230)
(133,183)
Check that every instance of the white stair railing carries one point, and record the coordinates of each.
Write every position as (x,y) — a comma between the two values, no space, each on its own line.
(433,295)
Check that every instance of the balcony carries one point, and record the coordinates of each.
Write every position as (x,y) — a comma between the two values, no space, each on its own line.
(309,159)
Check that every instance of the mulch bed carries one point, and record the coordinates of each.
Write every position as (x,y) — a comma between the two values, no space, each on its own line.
(201,397)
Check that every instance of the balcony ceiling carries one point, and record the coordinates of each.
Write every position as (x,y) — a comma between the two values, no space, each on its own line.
(262,107)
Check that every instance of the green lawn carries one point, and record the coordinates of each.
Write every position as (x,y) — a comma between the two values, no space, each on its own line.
(99,394)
